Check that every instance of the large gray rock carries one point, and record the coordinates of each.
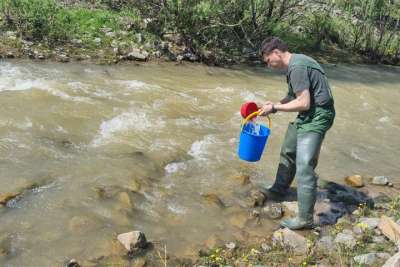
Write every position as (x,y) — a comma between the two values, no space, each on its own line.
(365,259)
(133,240)
(290,239)
(380,180)
(378,239)
(326,243)
(383,255)
(371,223)
(394,261)
(346,239)
(273,211)
(137,54)
(97,41)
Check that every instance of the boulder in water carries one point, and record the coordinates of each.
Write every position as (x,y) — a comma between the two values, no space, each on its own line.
(213,199)
(4,198)
(380,180)
(354,180)
(133,240)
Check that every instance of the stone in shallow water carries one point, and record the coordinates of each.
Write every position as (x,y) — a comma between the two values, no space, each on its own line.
(380,180)
(257,198)
(239,219)
(242,179)
(133,240)
(213,199)
(72,263)
(125,200)
(365,259)
(133,186)
(354,180)
(80,224)
(4,198)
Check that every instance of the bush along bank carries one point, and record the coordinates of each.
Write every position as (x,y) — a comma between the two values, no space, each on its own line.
(214,32)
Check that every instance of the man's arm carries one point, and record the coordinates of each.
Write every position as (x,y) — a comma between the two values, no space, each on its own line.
(286,99)
(300,103)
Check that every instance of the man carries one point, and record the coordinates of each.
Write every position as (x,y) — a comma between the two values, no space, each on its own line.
(309,94)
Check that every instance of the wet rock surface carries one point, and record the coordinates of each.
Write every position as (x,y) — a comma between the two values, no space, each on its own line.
(354,180)
(290,239)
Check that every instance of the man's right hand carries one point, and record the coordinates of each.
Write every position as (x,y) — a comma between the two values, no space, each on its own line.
(266,109)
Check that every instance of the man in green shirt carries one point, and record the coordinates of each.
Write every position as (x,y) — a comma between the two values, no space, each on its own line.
(309,94)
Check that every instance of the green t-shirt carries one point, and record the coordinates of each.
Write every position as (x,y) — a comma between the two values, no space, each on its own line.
(305,73)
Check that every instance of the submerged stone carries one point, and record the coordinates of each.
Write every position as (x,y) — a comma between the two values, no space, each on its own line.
(239,219)
(213,199)
(125,200)
(354,180)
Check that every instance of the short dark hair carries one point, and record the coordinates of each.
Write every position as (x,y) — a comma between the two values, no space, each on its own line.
(271,43)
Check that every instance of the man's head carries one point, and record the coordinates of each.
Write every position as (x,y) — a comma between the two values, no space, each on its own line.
(275,53)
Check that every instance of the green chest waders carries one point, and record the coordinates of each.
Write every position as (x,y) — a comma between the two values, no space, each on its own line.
(299,156)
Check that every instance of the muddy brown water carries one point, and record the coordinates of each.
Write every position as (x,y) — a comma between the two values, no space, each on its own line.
(134,147)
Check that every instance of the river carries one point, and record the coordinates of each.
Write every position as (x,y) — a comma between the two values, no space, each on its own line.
(137,146)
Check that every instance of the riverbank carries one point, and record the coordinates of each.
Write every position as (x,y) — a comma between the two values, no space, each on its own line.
(220,33)
(124,49)
(367,234)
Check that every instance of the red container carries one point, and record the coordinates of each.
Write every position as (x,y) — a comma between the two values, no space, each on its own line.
(248,108)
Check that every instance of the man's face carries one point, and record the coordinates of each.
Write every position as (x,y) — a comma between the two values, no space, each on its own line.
(274,59)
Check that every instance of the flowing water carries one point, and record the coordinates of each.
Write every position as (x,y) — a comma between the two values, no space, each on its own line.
(135,147)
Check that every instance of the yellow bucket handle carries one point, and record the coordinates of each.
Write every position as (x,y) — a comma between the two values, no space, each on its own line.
(256,113)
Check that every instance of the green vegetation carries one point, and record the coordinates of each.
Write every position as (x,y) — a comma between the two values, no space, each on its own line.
(227,29)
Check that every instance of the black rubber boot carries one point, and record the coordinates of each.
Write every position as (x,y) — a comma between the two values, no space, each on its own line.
(287,165)
(308,148)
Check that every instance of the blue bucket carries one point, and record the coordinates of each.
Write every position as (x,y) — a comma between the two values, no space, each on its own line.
(251,146)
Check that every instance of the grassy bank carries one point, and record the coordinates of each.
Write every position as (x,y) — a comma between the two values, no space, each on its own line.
(215,32)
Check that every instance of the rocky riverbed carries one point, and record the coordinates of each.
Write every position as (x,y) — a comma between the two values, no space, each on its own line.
(357,224)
